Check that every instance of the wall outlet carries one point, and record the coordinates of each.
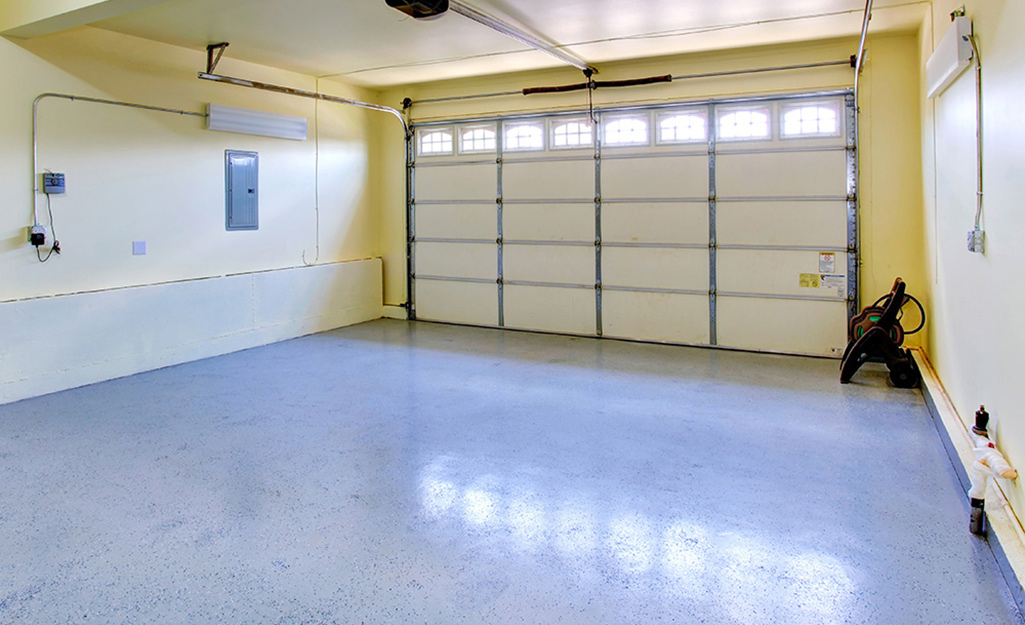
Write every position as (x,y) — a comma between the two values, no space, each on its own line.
(976,240)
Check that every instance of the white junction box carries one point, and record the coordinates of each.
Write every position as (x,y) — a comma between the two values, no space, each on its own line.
(976,241)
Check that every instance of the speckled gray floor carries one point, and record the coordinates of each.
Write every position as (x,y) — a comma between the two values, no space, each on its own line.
(418,473)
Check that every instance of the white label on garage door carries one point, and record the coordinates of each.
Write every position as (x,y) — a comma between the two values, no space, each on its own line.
(827,262)
(832,282)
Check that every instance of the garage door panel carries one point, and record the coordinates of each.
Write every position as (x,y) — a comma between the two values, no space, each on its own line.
(549,263)
(457,221)
(549,222)
(550,309)
(793,326)
(781,174)
(782,223)
(458,302)
(780,229)
(555,180)
(457,260)
(656,268)
(457,182)
(675,222)
(655,316)
(655,177)
(779,272)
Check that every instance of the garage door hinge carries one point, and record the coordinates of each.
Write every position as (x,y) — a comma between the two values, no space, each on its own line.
(852,197)
(711,198)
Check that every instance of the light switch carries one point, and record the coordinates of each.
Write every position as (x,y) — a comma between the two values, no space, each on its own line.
(139,248)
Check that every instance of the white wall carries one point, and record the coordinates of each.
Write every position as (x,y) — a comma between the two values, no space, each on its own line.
(976,339)
(67,341)
(146,176)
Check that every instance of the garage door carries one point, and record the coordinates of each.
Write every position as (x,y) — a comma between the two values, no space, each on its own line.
(724,223)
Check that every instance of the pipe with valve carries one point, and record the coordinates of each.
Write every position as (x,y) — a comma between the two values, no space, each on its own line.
(989,462)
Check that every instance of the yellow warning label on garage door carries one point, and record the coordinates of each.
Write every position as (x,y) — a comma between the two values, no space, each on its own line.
(810,280)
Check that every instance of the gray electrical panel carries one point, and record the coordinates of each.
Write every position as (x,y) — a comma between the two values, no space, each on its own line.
(241,190)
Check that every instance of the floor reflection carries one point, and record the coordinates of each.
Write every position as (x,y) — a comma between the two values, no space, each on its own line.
(750,577)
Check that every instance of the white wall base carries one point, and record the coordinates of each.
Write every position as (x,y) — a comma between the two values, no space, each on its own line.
(1004,530)
(56,343)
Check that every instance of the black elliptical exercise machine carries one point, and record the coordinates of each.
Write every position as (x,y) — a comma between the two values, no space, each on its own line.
(876,334)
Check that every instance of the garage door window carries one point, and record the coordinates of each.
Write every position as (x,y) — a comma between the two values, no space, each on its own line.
(477,139)
(681,127)
(525,137)
(626,131)
(437,141)
(801,120)
(574,133)
(744,124)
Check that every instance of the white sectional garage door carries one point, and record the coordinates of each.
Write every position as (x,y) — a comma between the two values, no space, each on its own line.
(723,223)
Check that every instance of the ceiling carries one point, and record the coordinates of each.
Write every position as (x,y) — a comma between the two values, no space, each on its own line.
(365,42)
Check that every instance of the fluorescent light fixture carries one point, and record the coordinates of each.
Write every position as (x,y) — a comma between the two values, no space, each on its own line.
(250,122)
(950,58)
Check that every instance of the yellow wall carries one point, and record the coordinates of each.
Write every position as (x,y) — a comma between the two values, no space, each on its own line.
(146,176)
(890,126)
(976,340)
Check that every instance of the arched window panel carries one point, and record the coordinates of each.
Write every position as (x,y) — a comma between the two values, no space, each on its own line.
(803,120)
(524,137)
(744,124)
(477,139)
(572,133)
(682,128)
(631,130)
(436,141)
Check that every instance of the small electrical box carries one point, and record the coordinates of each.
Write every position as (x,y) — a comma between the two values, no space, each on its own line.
(53,183)
(37,235)
(977,241)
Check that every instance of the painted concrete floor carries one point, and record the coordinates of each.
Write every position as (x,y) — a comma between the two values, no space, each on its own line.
(419,473)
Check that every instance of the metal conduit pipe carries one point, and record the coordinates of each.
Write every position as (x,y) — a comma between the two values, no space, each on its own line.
(854,171)
(978,130)
(859,61)
(73,98)
(264,86)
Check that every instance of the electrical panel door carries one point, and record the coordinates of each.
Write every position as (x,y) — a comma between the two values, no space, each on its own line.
(241,181)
